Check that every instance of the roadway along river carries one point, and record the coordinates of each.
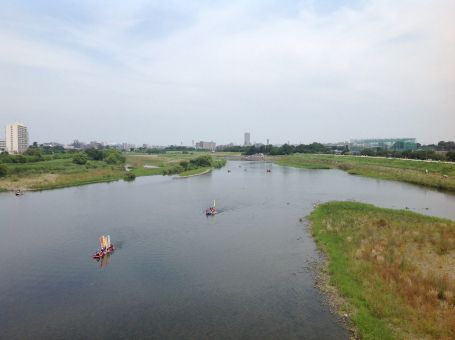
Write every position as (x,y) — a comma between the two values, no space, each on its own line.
(178,274)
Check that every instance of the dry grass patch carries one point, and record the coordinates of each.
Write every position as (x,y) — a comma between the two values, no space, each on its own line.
(396,268)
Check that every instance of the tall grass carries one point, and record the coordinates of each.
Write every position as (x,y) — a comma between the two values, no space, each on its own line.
(395,268)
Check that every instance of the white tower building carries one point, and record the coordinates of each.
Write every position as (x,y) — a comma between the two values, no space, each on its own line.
(16,138)
(247,141)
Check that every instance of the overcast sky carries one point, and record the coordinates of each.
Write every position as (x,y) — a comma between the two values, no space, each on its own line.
(165,72)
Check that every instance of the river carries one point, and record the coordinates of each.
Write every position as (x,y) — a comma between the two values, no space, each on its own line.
(177,274)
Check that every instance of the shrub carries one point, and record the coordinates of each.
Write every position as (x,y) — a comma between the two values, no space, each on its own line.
(219,163)
(176,169)
(94,154)
(202,161)
(129,176)
(114,157)
(3,170)
(185,165)
(450,156)
(80,158)
(20,159)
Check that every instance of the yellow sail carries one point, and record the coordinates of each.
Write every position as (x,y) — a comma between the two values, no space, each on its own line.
(104,241)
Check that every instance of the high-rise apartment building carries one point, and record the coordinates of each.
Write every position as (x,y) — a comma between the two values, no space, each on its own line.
(2,145)
(16,138)
(247,141)
(206,145)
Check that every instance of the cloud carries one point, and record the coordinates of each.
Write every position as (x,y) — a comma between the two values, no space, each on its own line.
(288,70)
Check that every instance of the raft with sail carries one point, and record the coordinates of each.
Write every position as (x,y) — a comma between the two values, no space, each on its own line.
(106,247)
(211,211)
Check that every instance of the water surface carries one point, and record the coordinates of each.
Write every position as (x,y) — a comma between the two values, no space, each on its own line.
(178,274)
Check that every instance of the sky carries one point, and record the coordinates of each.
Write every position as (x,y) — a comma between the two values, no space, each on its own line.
(169,72)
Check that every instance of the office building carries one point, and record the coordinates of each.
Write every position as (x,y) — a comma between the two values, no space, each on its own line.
(396,144)
(16,138)
(247,141)
(206,146)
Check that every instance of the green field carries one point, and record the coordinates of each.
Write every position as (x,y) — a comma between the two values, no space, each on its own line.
(393,268)
(59,173)
(437,175)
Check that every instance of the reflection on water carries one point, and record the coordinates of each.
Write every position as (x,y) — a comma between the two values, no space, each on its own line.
(104,261)
(177,274)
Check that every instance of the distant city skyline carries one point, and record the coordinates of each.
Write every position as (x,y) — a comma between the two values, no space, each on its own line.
(245,142)
(166,72)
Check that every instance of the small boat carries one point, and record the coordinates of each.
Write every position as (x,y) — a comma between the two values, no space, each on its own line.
(211,211)
(18,193)
(106,247)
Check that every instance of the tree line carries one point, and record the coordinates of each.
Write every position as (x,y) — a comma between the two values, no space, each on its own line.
(443,151)
(421,154)
(285,149)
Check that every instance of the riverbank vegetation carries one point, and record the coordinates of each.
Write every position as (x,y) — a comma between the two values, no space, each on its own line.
(394,269)
(175,163)
(431,174)
(443,151)
(39,170)
(195,172)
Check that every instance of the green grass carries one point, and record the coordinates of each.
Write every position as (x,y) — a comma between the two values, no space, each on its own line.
(169,160)
(194,172)
(59,173)
(437,175)
(147,172)
(390,265)
(57,165)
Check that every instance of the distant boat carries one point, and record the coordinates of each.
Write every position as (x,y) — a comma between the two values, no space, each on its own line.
(19,193)
(106,247)
(211,211)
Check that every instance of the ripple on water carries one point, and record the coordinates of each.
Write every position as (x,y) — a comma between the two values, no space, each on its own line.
(176,273)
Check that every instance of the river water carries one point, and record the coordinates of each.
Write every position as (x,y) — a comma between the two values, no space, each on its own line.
(178,274)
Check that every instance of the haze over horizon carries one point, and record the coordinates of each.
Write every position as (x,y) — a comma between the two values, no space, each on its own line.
(169,72)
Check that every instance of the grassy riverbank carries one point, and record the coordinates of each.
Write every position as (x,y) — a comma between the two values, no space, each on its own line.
(175,163)
(437,175)
(59,173)
(195,172)
(395,269)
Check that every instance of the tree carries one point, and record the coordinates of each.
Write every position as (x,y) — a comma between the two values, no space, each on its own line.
(95,154)
(114,157)
(80,158)
(450,156)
